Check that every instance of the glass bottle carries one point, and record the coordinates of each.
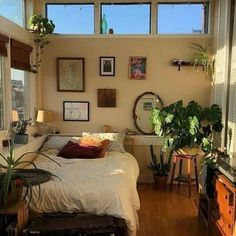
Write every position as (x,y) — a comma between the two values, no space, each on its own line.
(104,24)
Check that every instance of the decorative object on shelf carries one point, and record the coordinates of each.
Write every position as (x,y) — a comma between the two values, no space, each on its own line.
(21,136)
(106,97)
(160,169)
(41,27)
(104,25)
(75,111)
(70,74)
(201,58)
(107,66)
(12,179)
(191,125)
(44,117)
(142,111)
(179,63)
(137,68)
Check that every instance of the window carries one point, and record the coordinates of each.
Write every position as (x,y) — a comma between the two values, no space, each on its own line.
(20,91)
(182,18)
(71,18)
(1,95)
(130,18)
(13,10)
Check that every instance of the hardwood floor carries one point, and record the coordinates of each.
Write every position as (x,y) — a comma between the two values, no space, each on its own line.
(168,213)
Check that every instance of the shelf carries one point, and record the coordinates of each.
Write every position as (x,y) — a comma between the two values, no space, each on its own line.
(179,63)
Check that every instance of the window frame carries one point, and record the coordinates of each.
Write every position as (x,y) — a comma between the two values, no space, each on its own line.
(73,3)
(129,3)
(206,16)
(2,117)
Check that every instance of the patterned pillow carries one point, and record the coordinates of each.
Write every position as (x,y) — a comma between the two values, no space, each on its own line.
(116,140)
(56,142)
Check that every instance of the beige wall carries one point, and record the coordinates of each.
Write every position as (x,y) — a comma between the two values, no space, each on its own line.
(162,78)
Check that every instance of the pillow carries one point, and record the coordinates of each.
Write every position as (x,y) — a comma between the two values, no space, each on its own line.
(116,140)
(73,150)
(56,142)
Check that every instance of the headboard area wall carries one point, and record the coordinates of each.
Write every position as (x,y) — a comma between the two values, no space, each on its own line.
(161,78)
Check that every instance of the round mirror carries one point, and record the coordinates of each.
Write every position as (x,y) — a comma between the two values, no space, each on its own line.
(142,111)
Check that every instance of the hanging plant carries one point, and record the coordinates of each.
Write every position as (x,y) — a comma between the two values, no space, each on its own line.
(41,27)
(202,59)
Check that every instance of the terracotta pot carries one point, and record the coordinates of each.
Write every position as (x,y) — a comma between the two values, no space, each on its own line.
(160,182)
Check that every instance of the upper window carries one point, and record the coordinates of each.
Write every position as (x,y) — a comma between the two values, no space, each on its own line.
(20,92)
(182,18)
(71,18)
(13,10)
(1,96)
(126,18)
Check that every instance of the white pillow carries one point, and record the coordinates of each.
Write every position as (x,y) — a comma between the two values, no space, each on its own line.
(116,140)
(57,142)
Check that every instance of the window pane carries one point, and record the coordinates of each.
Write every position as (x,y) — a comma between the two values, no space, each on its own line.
(127,18)
(19,85)
(72,18)
(13,10)
(1,95)
(183,18)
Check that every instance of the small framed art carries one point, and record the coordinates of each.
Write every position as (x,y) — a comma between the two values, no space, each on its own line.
(107,66)
(75,111)
(137,68)
(70,74)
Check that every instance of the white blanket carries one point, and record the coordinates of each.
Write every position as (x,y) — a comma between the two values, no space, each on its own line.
(104,186)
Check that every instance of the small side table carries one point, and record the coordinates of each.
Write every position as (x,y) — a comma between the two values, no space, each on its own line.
(182,178)
(19,213)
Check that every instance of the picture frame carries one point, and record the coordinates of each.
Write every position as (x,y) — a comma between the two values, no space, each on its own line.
(70,74)
(107,66)
(137,68)
(75,111)
(106,97)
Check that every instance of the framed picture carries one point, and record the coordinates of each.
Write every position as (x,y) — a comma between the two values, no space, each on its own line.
(137,68)
(107,66)
(70,74)
(75,111)
(106,97)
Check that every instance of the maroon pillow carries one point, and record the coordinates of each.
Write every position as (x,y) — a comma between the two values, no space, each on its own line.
(74,150)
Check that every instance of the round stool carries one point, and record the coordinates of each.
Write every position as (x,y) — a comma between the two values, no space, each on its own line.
(183,178)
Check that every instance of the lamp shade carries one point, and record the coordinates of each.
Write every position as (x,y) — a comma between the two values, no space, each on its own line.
(14,116)
(44,116)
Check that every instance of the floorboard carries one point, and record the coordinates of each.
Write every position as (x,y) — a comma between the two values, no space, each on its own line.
(165,213)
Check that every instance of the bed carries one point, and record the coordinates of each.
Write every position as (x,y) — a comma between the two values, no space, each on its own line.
(101,186)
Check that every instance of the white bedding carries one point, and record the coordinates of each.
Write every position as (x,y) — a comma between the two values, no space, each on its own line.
(100,186)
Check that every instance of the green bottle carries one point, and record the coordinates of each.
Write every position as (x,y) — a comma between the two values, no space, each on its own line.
(104,24)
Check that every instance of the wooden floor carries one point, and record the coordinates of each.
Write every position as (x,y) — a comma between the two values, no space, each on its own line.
(168,213)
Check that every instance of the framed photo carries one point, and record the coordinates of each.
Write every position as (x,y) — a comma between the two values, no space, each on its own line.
(137,68)
(106,97)
(75,111)
(107,66)
(70,74)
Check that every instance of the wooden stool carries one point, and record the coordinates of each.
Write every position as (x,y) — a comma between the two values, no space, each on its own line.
(181,178)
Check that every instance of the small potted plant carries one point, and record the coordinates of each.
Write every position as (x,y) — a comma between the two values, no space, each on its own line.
(21,136)
(160,169)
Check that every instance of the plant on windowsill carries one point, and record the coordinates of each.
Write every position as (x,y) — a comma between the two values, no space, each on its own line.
(160,169)
(41,27)
(21,136)
(13,177)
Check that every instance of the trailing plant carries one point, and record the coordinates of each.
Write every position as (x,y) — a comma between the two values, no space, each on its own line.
(201,58)
(190,125)
(41,27)
(12,174)
(161,168)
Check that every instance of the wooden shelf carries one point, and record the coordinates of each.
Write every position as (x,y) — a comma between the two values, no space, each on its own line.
(179,63)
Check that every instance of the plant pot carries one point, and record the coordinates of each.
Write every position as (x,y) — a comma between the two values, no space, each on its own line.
(190,151)
(21,138)
(160,182)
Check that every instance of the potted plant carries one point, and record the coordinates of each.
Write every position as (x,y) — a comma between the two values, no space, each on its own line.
(187,126)
(21,136)
(12,177)
(160,169)
(41,27)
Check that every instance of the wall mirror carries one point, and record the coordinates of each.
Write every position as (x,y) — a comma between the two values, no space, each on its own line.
(142,111)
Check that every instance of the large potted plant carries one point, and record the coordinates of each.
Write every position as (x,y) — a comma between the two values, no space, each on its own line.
(160,169)
(187,126)
(42,27)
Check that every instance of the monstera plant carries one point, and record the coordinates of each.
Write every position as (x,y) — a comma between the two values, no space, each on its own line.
(41,27)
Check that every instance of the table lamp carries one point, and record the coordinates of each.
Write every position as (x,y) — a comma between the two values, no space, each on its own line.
(44,117)
(14,116)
